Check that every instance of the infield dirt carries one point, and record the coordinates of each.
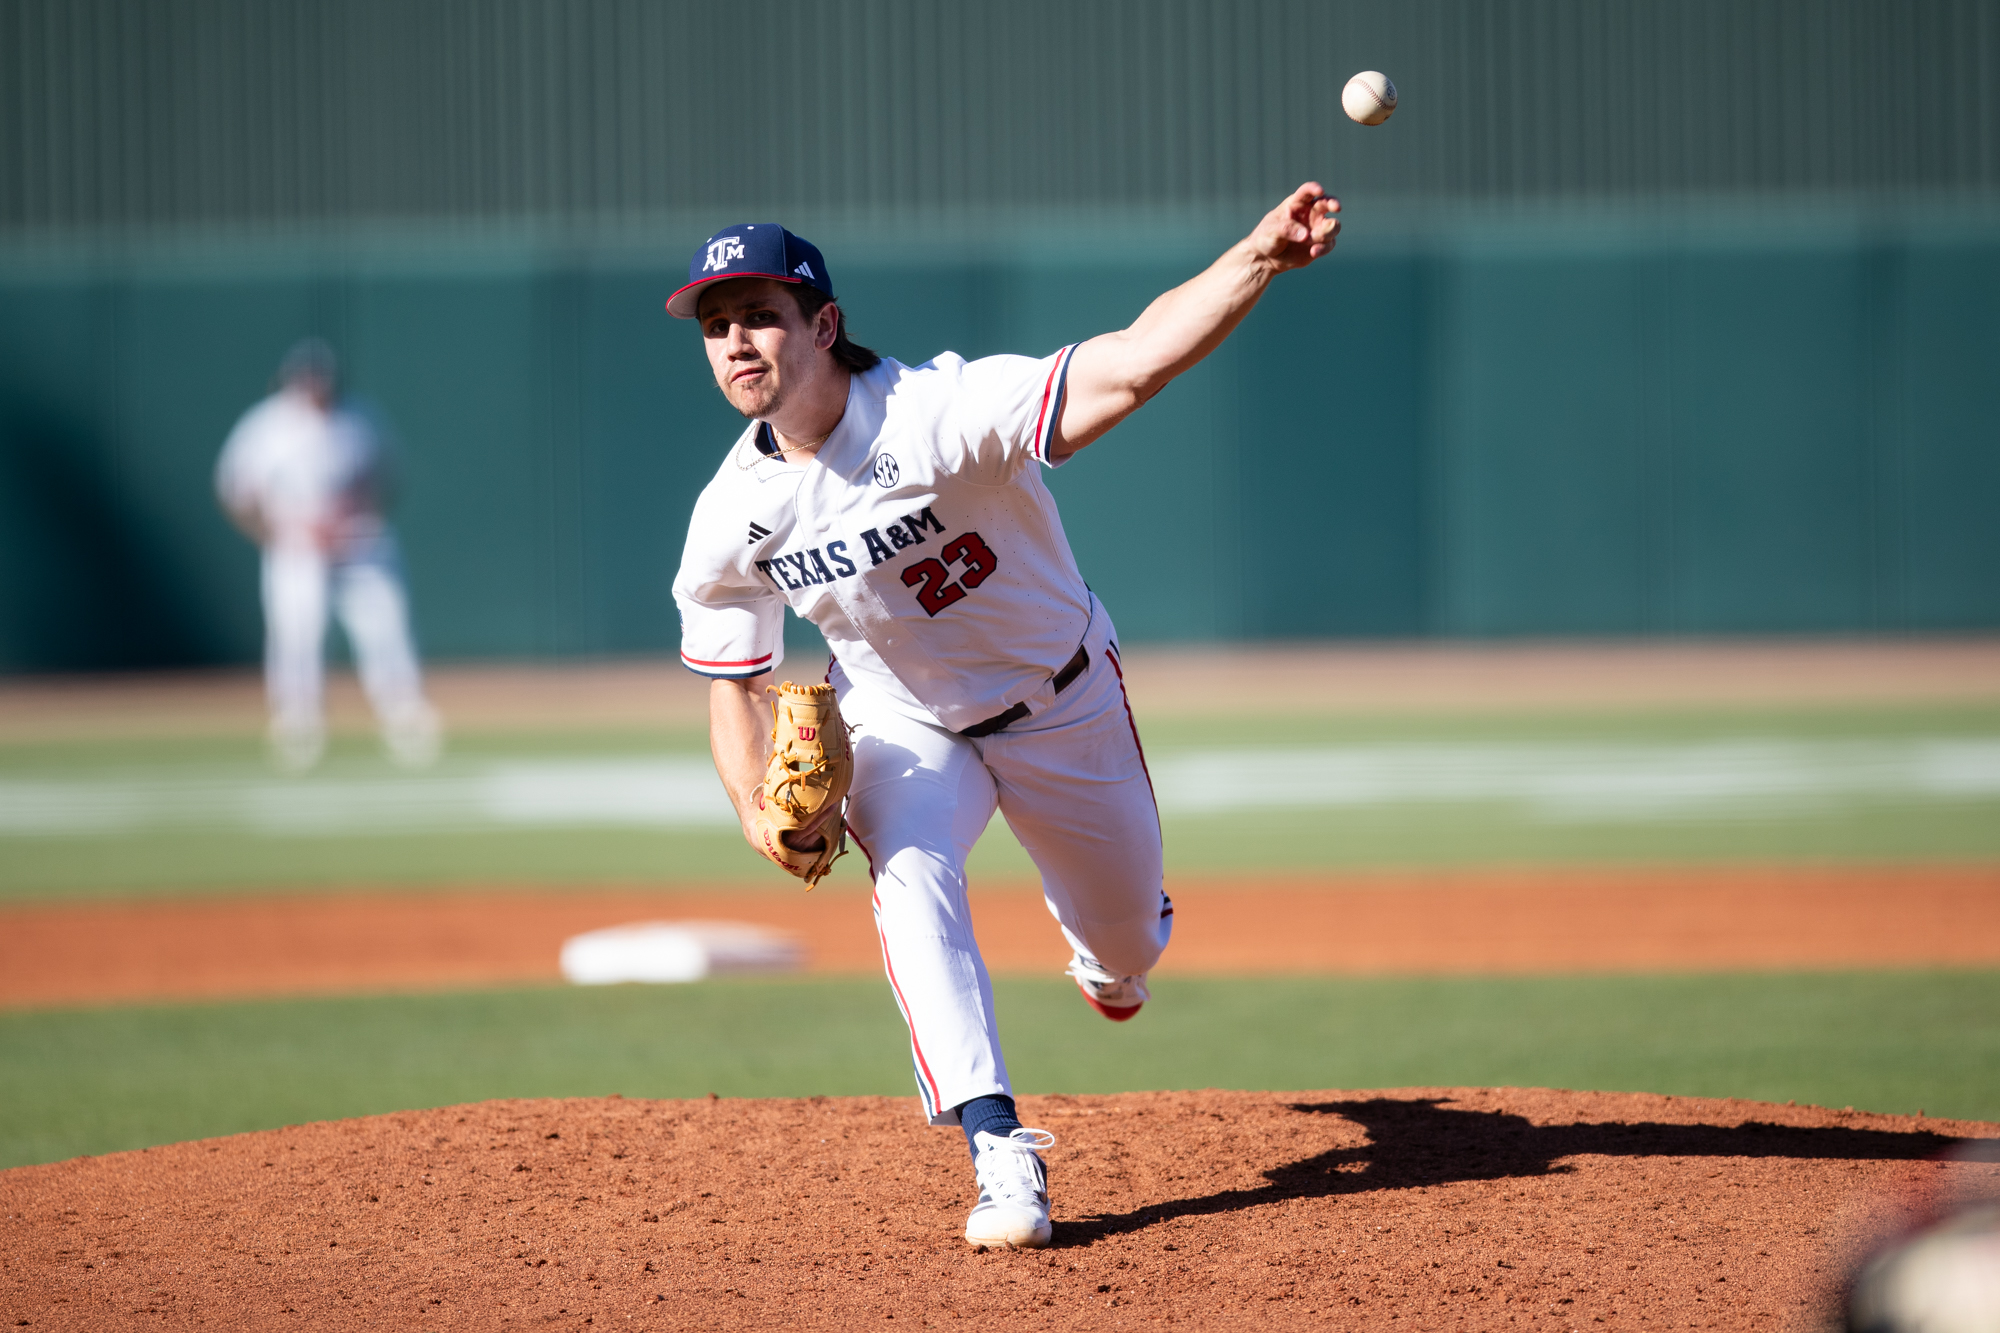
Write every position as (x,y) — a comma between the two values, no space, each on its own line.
(1416,1208)
(1572,919)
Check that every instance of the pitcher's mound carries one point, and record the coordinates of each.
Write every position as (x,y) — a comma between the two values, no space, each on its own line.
(1435,1207)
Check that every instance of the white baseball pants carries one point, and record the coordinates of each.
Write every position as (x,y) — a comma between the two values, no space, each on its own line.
(298,580)
(1072,785)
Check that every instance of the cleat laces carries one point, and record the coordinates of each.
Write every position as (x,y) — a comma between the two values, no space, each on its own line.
(1009,1172)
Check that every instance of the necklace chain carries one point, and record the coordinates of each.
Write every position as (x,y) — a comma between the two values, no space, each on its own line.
(786,448)
(809,444)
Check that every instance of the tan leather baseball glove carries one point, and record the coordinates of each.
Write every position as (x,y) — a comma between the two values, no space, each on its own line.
(799,801)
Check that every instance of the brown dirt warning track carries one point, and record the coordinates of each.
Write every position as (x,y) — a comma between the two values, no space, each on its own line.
(1417,1208)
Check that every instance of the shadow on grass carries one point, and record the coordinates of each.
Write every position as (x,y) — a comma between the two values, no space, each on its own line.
(1422,1142)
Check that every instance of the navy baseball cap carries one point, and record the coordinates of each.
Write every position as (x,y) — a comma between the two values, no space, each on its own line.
(751,250)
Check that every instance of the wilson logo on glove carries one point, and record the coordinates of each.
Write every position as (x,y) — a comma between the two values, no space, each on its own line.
(800,825)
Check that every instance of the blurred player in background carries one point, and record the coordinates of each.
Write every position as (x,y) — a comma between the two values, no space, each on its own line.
(302,476)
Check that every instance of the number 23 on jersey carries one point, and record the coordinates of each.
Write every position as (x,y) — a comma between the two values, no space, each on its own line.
(931,577)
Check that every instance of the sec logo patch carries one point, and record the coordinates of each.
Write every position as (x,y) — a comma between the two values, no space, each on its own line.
(887,474)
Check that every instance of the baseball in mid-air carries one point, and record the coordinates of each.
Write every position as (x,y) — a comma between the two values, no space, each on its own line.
(1369,97)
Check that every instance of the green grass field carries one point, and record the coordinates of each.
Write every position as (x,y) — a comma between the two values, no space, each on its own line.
(100,1080)
(87,1081)
(1857,826)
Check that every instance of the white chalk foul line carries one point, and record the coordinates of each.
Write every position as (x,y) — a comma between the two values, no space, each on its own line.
(1583,782)
(663,792)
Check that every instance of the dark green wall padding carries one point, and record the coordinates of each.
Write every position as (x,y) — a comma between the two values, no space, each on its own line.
(1558,425)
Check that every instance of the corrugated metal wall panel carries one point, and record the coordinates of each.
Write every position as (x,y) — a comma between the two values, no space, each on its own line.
(128,113)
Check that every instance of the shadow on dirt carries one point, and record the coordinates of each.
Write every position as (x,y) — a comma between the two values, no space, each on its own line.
(1424,1142)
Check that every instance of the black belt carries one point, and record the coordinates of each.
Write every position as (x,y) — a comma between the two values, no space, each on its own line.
(1001,721)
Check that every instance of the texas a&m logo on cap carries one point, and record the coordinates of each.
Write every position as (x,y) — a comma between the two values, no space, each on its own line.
(750,250)
(721,250)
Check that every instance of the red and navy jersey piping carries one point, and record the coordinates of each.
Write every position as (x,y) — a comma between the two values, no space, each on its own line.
(736,670)
(1050,411)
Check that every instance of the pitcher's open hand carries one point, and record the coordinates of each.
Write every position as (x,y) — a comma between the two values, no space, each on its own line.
(1297,231)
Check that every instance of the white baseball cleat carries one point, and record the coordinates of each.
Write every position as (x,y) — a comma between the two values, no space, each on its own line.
(1013,1207)
(1116,997)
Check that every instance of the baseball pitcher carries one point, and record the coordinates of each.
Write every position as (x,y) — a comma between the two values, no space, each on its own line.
(902,511)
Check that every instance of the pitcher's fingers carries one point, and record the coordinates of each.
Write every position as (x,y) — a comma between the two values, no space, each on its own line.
(1303,207)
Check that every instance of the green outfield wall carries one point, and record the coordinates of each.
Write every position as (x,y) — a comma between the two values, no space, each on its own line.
(1520,423)
(1651,318)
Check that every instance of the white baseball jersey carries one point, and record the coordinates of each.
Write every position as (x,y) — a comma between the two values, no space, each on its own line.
(299,467)
(919,541)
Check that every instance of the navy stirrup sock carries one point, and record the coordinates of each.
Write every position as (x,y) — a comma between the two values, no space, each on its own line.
(987,1115)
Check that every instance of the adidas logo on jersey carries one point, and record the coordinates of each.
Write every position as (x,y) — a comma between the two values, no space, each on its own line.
(758,532)
(807,270)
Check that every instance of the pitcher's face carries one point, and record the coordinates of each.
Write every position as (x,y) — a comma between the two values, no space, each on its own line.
(759,345)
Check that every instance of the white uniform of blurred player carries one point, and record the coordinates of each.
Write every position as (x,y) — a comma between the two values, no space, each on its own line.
(900,509)
(302,477)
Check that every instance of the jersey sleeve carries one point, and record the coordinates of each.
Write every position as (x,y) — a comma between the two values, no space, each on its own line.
(1004,415)
(732,622)
(233,481)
